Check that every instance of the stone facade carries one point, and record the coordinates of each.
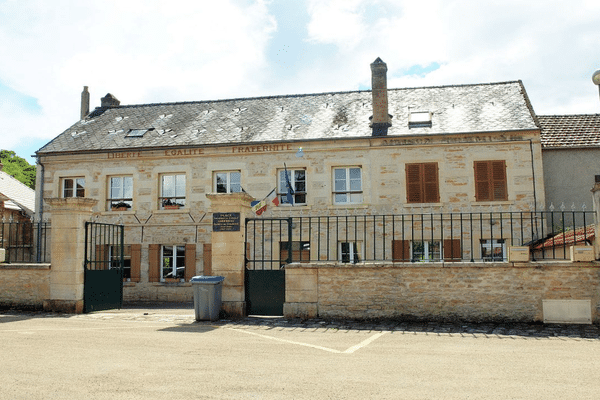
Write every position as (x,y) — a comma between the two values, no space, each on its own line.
(469,291)
(24,285)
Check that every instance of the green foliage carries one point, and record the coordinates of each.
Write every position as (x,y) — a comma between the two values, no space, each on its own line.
(18,167)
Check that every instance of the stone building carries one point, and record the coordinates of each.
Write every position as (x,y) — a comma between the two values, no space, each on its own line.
(391,151)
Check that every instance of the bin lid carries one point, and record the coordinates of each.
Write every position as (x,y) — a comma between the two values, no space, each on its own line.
(207,279)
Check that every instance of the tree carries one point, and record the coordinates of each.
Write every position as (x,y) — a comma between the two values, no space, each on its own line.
(18,167)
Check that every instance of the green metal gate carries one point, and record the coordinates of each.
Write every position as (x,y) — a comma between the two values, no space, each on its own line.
(265,266)
(103,276)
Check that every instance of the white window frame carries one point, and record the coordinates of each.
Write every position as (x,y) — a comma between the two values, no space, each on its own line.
(126,196)
(229,182)
(351,195)
(177,260)
(429,253)
(489,247)
(282,186)
(179,196)
(354,256)
(75,181)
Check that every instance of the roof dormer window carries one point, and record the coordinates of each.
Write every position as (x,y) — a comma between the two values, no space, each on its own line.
(137,132)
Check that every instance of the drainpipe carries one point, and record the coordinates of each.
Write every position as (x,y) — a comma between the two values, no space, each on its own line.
(40,212)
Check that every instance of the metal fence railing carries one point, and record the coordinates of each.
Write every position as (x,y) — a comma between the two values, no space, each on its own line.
(25,241)
(416,237)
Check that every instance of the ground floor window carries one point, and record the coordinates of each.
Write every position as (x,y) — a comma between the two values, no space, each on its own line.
(172,262)
(493,249)
(349,252)
(426,251)
(300,251)
(115,255)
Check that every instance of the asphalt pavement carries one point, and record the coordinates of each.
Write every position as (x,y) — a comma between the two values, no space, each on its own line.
(152,352)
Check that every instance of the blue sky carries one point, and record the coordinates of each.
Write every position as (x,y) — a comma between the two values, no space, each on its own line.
(149,51)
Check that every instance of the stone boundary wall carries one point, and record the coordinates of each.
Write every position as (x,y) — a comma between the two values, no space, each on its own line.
(468,291)
(24,285)
(157,291)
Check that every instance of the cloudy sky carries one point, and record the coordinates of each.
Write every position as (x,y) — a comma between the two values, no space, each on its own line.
(148,51)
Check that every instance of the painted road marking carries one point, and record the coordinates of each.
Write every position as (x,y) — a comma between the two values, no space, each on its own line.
(350,350)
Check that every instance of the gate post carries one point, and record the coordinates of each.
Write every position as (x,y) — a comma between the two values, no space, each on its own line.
(228,247)
(68,252)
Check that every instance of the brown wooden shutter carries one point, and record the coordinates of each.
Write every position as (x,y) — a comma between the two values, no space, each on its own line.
(490,180)
(190,261)
(452,250)
(431,192)
(154,263)
(136,262)
(498,169)
(400,250)
(207,258)
(413,183)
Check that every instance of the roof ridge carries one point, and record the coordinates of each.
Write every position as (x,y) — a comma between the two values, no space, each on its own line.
(176,103)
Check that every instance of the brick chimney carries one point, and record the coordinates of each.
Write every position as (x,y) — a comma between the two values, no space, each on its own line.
(85,102)
(109,101)
(381,120)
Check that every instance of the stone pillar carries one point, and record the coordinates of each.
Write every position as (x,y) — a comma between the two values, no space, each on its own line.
(68,253)
(228,244)
(596,200)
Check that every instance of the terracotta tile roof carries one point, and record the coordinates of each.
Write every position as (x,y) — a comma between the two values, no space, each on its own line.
(579,235)
(570,130)
(493,107)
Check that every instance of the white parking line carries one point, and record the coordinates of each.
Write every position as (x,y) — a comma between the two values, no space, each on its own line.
(350,350)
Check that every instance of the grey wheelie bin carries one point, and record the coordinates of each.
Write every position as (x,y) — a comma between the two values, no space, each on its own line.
(207,296)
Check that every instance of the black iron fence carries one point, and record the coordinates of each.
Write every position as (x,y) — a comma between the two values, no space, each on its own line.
(25,241)
(417,237)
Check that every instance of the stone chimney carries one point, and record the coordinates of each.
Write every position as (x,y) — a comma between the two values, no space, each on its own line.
(381,120)
(109,101)
(85,102)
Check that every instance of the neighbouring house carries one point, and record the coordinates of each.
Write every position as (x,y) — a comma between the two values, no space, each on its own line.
(558,246)
(571,158)
(17,208)
(411,152)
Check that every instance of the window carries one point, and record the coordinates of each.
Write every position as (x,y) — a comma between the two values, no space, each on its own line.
(73,187)
(347,185)
(349,252)
(426,251)
(490,180)
(228,182)
(120,192)
(114,256)
(300,251)
(422,183)
(297,179)
(172,191)
(419,119)
(172,263)
(493,249)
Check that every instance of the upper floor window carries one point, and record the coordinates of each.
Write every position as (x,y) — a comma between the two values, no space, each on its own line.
(422,183)
(347,185)
(490,180)
(228,182)
(172,191)
(297,179)
(120,192)
(73,187)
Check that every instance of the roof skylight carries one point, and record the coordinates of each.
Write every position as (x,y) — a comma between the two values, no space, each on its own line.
(419,119)
(137,132)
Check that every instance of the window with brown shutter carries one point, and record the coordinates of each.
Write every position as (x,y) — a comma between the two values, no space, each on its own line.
(136,262)
(207,258)
(400,250)
(190,261)
(452,250)
(154,263)
(422,184)
(490,180)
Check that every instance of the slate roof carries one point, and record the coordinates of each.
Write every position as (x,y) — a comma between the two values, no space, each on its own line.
(570,131)
(17,193)
(488,107)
